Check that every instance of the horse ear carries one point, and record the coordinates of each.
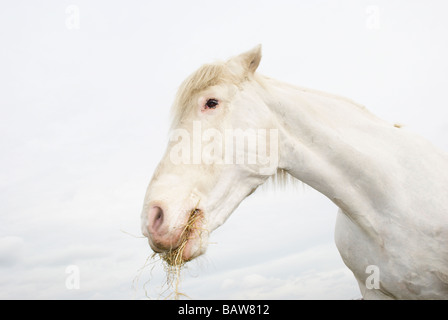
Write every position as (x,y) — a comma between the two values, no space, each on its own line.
(250,60)
(253,58)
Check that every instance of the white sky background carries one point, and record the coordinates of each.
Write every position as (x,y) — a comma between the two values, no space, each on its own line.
(84,121)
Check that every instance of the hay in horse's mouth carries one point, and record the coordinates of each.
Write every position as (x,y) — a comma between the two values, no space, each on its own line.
(175,257)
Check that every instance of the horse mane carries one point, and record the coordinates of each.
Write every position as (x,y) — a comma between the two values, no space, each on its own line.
(281,180)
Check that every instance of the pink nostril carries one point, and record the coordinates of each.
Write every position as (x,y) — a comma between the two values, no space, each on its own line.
(160,237)
(155,218)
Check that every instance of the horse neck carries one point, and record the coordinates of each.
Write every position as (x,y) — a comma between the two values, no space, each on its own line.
(327,142)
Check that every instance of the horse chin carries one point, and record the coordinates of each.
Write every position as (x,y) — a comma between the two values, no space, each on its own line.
(193,249)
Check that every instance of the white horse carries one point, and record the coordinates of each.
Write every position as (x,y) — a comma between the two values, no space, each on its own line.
(391,186)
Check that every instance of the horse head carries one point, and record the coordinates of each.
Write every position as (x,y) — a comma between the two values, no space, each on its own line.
(223,145)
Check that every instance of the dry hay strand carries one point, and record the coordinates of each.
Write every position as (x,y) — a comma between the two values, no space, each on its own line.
(173,261)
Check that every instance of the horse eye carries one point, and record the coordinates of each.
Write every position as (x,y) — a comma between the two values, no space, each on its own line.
(212,103)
